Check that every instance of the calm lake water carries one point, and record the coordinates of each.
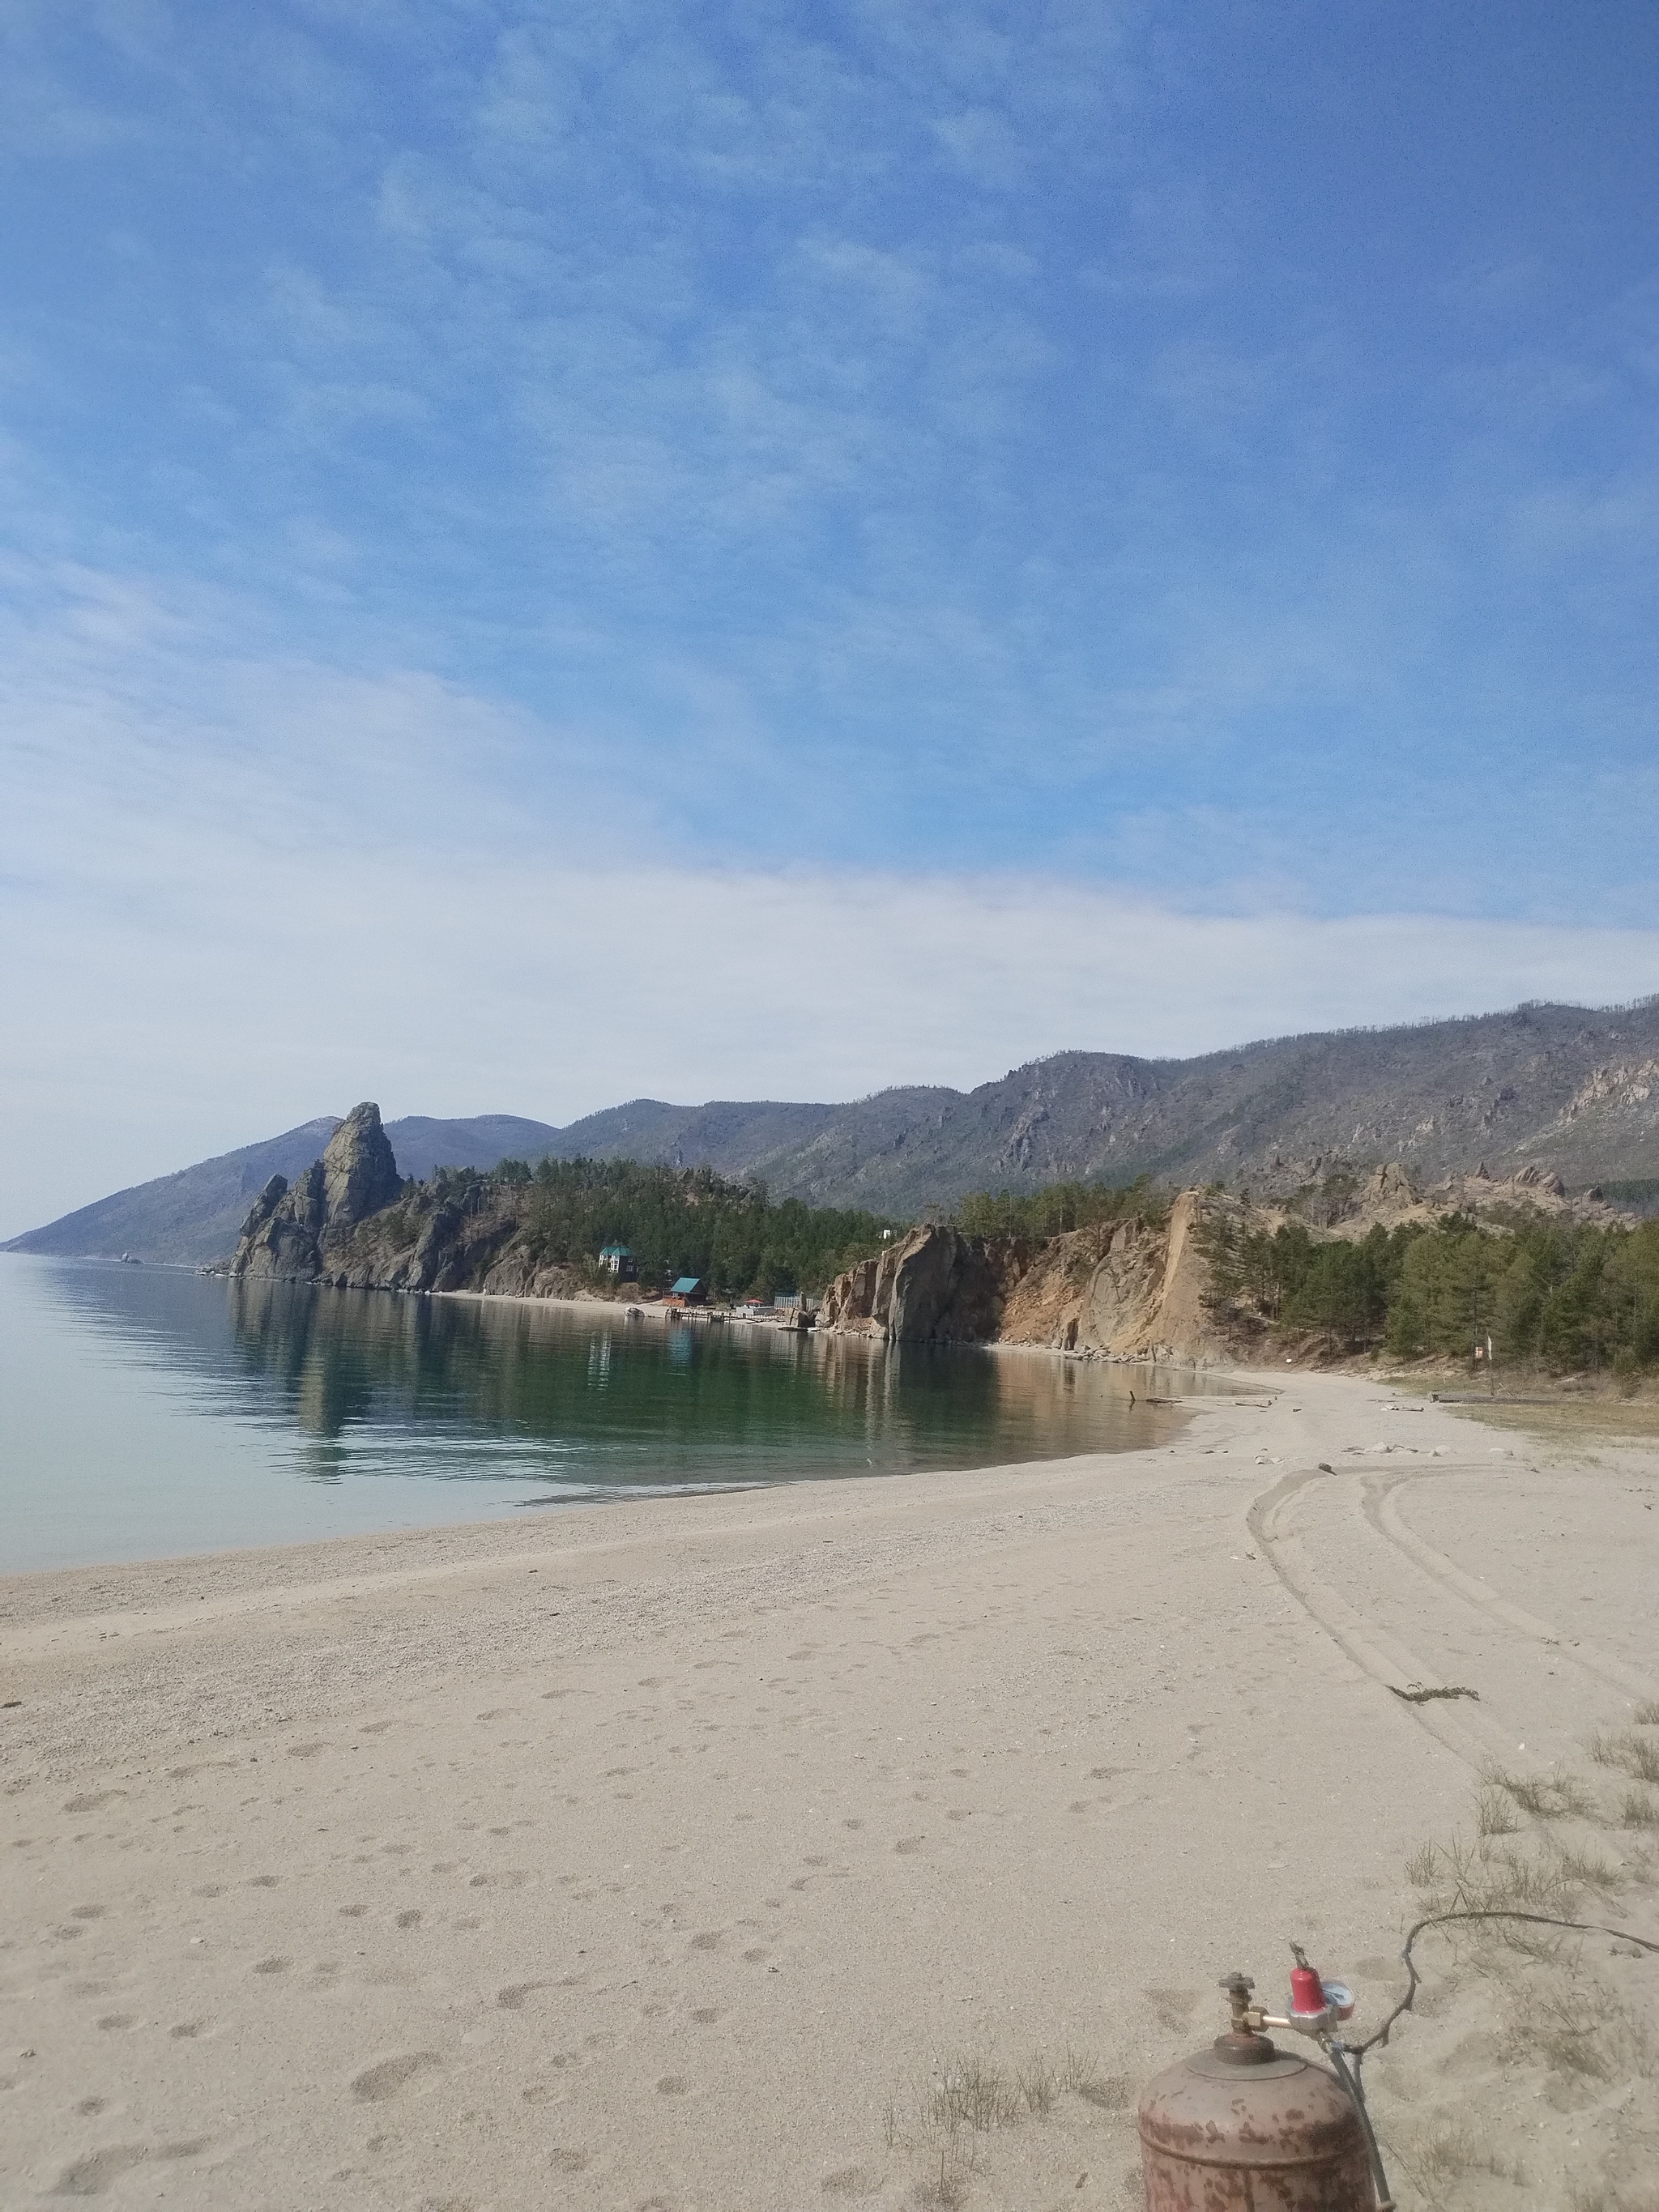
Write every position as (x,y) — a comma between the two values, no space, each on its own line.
(146,1413)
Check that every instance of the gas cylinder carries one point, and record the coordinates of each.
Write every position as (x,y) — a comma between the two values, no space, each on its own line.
(1245,2127)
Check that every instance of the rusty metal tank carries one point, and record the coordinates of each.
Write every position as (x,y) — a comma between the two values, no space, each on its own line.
(1245,2127)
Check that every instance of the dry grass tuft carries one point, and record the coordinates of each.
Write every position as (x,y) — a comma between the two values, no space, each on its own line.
(943,2191)
(1422,1866)
(1647,1713)
(1472,1877)
(1640,1810)
(973,2095)
(970,2097)
(1494,1815)
(1038,2084)
(1079,2072)
(1450,2153)
(1583,2029)
(1547,1798)
(1568,2034)
(1633,1754)
(1584,1870)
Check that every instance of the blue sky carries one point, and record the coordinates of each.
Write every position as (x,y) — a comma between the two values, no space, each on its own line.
(484,484)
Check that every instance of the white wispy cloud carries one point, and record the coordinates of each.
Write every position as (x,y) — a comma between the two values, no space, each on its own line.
(238,891)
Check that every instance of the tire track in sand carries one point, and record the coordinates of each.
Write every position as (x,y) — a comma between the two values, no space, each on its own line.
(1382,1506)
(1472,1737)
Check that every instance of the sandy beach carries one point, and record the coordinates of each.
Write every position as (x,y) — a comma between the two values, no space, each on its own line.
(693,1855)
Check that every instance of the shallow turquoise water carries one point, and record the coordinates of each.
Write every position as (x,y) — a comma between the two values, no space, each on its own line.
(145,1412)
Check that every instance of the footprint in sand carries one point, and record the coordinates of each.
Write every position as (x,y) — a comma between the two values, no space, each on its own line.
(273,1966)
(706,2016)
(305,1750)
(1172,2008)
(114,2019)
(90,2106)
(411,1918)
(708,1941)
(92,2176)
(87,1912)
(263,1882)
(375,2084)
(673,2084)
(512,1998)
(568,2161)
(95,1803)
(848,2181)
(907,1846)
(186,2031)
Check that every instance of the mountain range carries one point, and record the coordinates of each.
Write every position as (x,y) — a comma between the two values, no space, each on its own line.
(1572,1087)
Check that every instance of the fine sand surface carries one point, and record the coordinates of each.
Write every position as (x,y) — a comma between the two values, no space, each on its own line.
(867,1842)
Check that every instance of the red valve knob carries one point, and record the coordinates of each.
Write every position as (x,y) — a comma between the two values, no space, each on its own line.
(1307,1991)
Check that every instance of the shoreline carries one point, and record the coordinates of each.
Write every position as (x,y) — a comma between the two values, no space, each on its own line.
(729,1317)
(564,1461)
(665,1854)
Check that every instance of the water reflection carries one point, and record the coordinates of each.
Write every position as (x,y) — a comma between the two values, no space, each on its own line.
(659,1397)
(230,1394)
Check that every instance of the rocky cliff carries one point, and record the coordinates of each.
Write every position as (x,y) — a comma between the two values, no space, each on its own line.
(933,1286)
(1141,1286)
(294,1230)
(1125,1289)
(464,1233)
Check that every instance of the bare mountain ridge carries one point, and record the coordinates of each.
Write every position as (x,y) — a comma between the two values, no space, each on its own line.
(1574,1088)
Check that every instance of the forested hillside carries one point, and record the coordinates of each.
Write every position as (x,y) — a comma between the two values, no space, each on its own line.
(1563,1295)
(675,1221)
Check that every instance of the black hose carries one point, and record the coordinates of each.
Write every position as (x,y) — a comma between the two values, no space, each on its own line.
(1334,2051)
(1356,2051)
(1340,2052)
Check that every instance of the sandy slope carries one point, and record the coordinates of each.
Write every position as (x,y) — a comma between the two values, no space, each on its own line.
(671,1855)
